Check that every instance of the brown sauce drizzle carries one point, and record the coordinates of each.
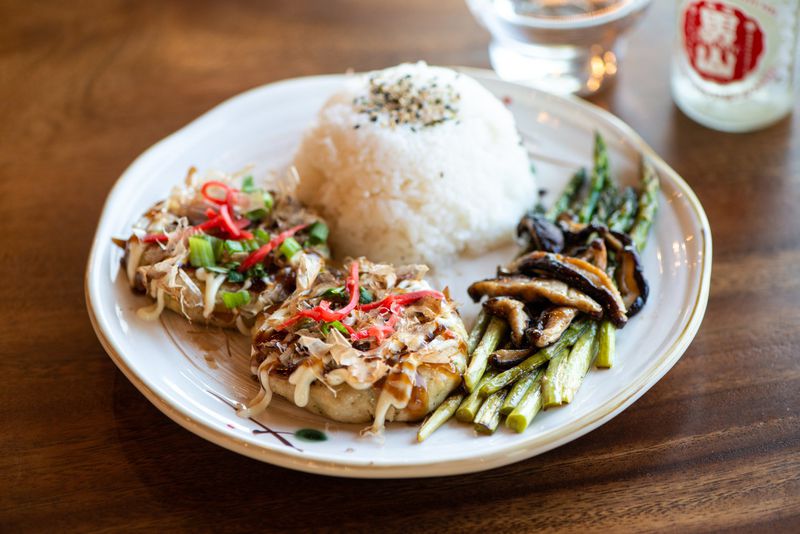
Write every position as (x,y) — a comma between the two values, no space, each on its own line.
(396,384)
(417,406)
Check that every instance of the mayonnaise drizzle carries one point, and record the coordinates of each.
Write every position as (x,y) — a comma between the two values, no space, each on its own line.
(303,377)
(212,285)
(262,400)
(241,326)
(151,313)
(396,392)
(135,251)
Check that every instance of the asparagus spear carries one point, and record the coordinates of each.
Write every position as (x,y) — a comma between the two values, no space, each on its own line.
(530,404)
(555,368)
(579,363)
(568,196)
(599,178)
(510,376)
(610,200)
(648,205)
(488,417)
(470,405)
(518,391)
(566,371)
(567,339)
(535,360)
(495,331)
(621,219)
(439,416)
(576,204)
(606,341)
(477,331)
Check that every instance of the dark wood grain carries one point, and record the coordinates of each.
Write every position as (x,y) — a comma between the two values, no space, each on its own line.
(87,86)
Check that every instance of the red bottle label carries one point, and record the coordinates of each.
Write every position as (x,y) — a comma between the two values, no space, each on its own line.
(723,43)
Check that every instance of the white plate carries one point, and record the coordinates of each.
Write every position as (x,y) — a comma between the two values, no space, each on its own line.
(193,375)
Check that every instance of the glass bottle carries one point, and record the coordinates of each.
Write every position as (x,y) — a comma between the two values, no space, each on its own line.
(734,61)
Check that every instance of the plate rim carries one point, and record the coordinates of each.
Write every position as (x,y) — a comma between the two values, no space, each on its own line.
(351,467)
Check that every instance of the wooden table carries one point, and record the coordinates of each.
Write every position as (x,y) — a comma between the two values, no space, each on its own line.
(714,445)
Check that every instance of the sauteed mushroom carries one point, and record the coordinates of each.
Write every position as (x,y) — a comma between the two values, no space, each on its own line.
(505,358)
(579,274)
(577,234)
(629,273)
(550,324)
(512,311)
(539,233)
(533,289)
(595,253)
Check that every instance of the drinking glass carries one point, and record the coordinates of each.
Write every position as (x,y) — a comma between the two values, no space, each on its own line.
(562,46)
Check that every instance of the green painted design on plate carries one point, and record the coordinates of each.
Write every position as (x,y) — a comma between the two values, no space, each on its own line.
(310,434)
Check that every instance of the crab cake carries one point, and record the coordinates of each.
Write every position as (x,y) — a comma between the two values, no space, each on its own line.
(219,250)
(373,343)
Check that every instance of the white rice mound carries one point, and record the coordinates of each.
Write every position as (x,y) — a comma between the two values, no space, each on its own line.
(415,193)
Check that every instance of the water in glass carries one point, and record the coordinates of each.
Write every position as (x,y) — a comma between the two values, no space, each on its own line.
(564,46)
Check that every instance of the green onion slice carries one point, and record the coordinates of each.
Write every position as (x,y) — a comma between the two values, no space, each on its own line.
(234,299)
(216,246)
(262,236)
(290,247)
(268,201)
(232,247)
(325,327)
(256,204)
(318,233)
(201,252)
(247,184)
